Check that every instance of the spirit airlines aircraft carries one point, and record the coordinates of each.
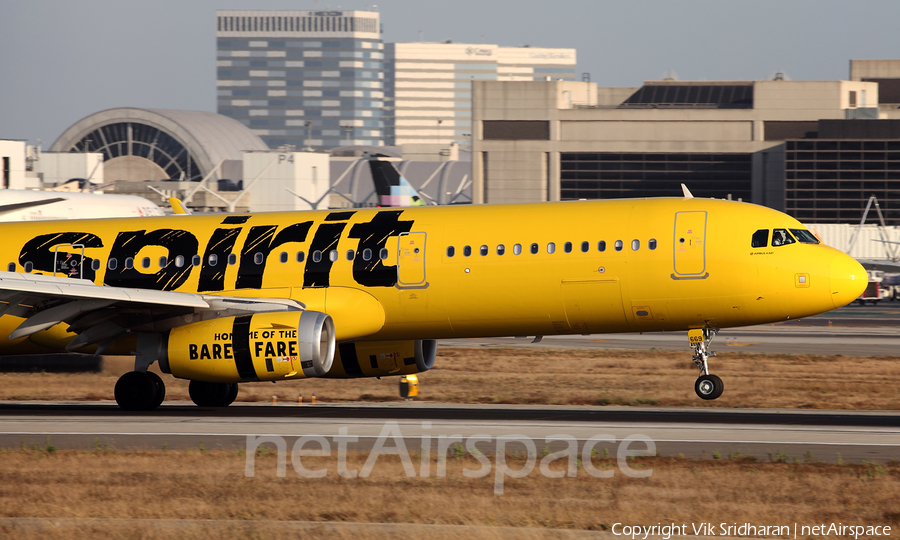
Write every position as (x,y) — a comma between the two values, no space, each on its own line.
(225,299)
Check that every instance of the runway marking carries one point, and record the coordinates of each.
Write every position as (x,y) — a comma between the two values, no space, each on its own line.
(717,441)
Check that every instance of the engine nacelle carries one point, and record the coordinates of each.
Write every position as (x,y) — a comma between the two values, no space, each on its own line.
(382,358)
(258,347)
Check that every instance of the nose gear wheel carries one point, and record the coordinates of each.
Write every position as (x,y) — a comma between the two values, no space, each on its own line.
(707,386)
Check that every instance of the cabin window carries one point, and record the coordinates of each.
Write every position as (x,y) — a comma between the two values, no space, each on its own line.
(551,247)
(601,245)
(760,238)
(780,237)
(213,259)
(652,244)
(258,258)
(179,261)
(383,254)
(112,264)
(367,254)
(517,249)
(619,245)
(350,254)
(635,245)
(95,265)
(568,247)
(804,236)
(163,261)
(29,266)
(283,257)
(197,259)
(585,247)
(11,267)
(501,249)
(145,262)
(129,263)
(333,255)
(316,256)
(301,256)
(232,259)
(450,251)
(534,249)
(467,251)
(483,250)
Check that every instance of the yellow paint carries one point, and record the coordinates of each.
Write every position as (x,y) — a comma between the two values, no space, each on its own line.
(712,279)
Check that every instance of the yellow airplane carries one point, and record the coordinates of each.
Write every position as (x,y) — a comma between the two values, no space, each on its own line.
(225,299)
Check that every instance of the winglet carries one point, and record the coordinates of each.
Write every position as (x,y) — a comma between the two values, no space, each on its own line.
(178,207)
(687,192)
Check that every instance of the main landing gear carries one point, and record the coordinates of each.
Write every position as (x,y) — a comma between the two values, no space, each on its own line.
(707,386)
(140,391)
(145,391)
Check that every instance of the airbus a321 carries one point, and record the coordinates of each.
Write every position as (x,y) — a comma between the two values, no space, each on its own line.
(225,299)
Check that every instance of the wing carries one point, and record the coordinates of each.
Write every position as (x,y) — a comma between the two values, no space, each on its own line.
(101,315)
(27,204)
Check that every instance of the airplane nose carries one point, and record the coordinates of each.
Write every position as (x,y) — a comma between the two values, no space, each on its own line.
(848,280)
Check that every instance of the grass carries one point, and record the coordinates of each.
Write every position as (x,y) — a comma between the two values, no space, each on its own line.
(193,485)
(548,377)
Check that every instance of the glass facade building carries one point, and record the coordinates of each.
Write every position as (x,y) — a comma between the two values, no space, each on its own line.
(302,78)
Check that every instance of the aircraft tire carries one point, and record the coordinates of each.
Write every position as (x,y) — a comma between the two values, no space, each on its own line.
(709,387)
(160,389)
(136,391)
(207,394)
(232,394)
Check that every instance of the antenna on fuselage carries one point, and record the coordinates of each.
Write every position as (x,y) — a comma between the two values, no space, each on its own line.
(687,192)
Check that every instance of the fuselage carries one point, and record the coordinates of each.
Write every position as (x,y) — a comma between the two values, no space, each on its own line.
(578,267)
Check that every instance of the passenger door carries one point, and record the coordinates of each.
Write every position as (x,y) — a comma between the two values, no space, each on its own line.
(690,245)
(411,260)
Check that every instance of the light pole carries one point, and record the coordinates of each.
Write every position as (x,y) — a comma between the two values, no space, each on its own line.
(347,130)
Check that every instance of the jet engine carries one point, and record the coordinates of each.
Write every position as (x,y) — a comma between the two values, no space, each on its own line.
(382,358)
(257,347)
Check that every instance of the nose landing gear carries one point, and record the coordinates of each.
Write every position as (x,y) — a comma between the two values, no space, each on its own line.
(707,386)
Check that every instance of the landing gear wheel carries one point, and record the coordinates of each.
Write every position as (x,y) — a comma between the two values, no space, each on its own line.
(207,394)
(709,386)
(160,389)
(232,394)
(137,391)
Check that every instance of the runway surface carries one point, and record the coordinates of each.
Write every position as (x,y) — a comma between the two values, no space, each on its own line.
(692,432)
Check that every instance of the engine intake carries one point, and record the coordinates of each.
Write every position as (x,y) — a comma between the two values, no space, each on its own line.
(258,347)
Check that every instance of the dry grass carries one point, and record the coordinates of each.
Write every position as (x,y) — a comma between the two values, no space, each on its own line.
(578,377)
(197,485)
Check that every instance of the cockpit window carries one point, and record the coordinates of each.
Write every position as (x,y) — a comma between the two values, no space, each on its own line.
(781,237)
(760,238)
(804,236)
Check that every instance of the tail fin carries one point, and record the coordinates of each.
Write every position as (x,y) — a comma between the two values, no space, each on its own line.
(391,187)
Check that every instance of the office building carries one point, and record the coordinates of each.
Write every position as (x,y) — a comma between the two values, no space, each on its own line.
(302,78)
(428,86)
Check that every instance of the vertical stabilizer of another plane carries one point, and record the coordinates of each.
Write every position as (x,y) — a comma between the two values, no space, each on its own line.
(391,187)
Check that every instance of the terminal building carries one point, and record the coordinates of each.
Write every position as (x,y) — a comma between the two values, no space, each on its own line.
(428,86)
(815,149)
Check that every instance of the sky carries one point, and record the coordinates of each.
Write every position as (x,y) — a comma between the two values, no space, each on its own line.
(62,60)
